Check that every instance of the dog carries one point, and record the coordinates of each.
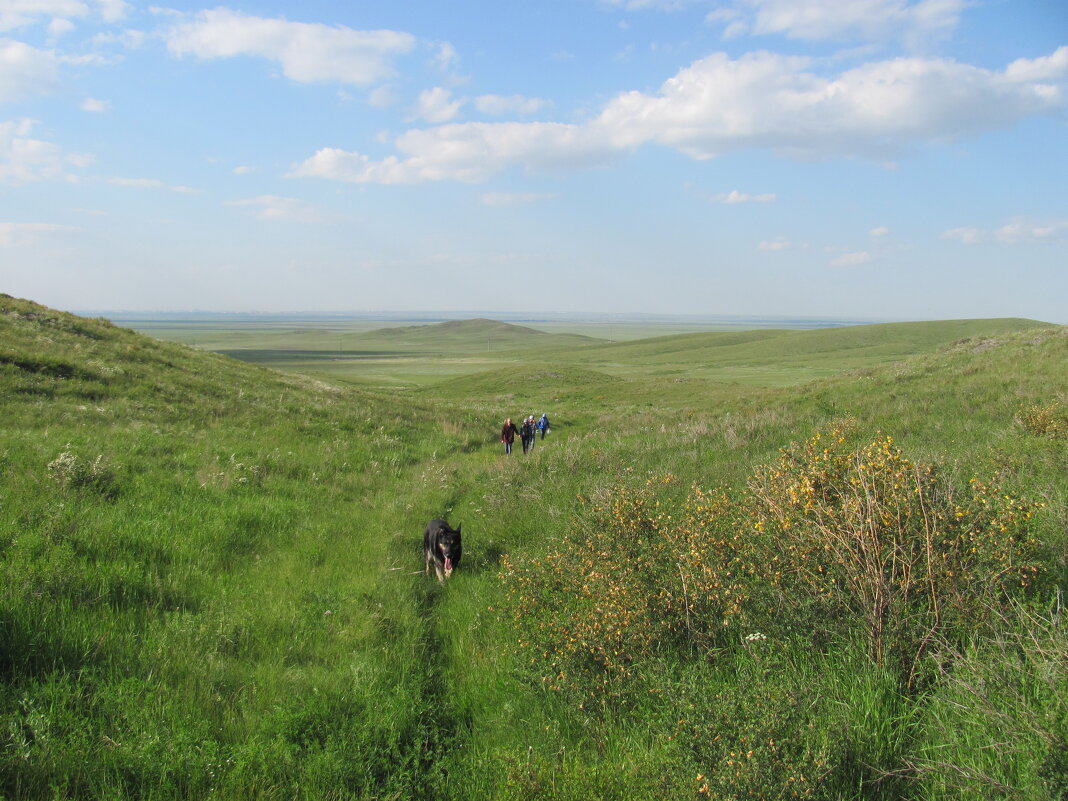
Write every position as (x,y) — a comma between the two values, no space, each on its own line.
(441,547)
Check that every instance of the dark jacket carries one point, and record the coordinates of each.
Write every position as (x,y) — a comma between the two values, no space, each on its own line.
(508,432)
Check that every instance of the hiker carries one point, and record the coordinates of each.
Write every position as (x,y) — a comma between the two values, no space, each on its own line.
(508,435)
(526,433)
(543,424)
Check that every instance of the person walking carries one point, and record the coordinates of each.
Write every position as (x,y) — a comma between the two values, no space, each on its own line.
(526,433)
(543,424)
(508,433)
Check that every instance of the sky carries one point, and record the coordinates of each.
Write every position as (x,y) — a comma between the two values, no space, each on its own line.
(876,159)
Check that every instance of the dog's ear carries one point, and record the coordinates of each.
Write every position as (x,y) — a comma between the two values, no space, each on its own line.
(459,527)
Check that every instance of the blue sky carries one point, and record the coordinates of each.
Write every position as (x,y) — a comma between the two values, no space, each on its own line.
(891,159)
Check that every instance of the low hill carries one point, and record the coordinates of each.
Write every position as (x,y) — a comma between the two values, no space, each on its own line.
(819,352)
(476,335)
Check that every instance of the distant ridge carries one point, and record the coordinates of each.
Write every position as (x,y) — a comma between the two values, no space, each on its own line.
(479,326)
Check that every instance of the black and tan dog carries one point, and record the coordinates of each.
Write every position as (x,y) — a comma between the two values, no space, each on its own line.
(441,547)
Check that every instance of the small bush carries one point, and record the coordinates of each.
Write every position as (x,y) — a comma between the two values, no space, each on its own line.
(1045,421)
(74,472)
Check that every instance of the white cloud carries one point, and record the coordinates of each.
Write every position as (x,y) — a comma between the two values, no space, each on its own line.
(26,160)
(382,96)
(243,169)
(865,20)
(59,27)
(151,183)
(307,52)
(112,10)
(734,196)
(719,105)
(500,105)
(284,209)
(94,105)
(1016,232)
(18,234)
(17,13)
(774,244)
(436,105)
(1029,232)
(504,199)
(25,70)
(966,236)
(854,259)
(445,56)
(469,152)
(879,232)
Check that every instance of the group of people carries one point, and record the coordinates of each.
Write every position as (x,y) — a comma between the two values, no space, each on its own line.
(527,432)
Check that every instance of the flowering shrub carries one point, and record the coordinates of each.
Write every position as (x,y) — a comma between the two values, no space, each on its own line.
(1045,421)
(876,538)
(830,536)
(628,581)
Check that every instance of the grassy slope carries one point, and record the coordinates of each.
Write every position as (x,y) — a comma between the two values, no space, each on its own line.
(823,351)
(206,600)
(239,507)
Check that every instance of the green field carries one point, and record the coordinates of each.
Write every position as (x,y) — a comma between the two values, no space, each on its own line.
(775,563)
(408,354)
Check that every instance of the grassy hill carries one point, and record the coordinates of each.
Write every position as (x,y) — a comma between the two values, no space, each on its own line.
(211,581)
(783,356)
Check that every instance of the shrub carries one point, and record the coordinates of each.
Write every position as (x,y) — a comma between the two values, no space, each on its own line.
(627,582)
(829,539)
(74,472)
(870,536)
(1045,421)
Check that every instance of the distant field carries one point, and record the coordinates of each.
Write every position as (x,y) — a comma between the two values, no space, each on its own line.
(411,353)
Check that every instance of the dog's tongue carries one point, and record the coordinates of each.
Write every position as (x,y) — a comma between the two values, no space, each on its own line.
(448,563)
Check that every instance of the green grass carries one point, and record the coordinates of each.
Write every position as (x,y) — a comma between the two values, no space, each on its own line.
(216,589)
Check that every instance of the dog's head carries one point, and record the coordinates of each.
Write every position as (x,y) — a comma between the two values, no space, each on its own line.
(448,543)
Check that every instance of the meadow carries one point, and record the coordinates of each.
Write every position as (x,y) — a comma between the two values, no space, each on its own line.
(772,564)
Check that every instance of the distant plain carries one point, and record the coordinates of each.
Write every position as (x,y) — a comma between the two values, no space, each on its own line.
(417,350)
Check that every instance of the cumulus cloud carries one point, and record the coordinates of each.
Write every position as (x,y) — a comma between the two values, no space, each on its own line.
(25,70)
(436,105)
(719,105)
(734,196)
(866,20)
(24,159)
(500,105)
(284,209)
(307,52)
(1016,232)
(879,233)
(514,198)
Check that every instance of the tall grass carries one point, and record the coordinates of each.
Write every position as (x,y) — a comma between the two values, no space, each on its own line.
(212,587)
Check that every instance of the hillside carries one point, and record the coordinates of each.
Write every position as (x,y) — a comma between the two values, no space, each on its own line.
(820,350)
(211,578)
